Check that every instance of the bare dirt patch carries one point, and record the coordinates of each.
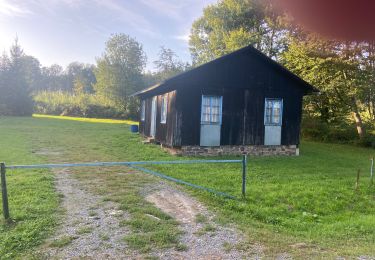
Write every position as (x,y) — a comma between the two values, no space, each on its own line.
(203,238)
(47,152)
(176,204)
(90,228)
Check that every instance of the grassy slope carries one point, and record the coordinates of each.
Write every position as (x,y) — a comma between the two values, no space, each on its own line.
(308,199)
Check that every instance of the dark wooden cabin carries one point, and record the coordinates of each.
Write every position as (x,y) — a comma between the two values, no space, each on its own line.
(243,102)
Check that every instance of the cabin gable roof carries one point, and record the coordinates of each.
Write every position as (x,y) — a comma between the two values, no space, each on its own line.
(245,62)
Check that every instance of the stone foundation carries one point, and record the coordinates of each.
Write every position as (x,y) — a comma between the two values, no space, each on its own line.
(257,150)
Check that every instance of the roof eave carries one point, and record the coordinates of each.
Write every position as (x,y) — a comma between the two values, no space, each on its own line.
(146,90)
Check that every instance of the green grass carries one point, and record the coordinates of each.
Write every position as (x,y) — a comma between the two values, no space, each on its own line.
(208,228)
(104,237)
(309,199)
(62,242)
(32,200)
(200,218)
(84,230)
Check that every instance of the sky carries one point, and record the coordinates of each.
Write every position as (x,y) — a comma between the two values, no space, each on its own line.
(63,31)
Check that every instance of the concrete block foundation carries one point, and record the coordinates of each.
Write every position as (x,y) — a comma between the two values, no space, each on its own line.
(256,150)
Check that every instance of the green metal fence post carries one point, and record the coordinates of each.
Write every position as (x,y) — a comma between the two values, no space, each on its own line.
(4,192)
(244,166)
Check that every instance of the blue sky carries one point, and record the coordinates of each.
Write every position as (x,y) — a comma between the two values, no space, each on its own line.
(62,31)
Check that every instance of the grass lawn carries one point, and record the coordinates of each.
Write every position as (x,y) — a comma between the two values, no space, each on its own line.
(305,205)
(32,200)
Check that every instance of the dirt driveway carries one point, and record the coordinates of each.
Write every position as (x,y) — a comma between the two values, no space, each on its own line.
(91,227)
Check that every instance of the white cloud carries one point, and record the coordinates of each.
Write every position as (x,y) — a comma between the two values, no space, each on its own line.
(184,12)
(178,9)
(109,9)
(126,14)
(8,8)
(172,9)
(183,37)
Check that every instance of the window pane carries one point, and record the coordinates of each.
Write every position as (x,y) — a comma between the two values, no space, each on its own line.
(143,110)
(273,111)
(276,111)
(206,101)
(164,109)
(268,111)
(215,101)
(211,109)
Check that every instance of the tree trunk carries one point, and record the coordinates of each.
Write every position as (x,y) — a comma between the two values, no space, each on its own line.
(359,124)
(357,118)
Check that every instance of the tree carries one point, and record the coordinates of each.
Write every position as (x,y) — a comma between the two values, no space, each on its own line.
(232,24)
(368,63)
(343,71)
(31,70)
(81,77)
(119,71)
(168,64)
(5,65)
(53,78)
(335,68)
(15,92)
(120,68)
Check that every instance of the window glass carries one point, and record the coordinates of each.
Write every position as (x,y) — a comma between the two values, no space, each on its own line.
(164,108)
(143,110)
(273,112)
(206,109)
(211,109)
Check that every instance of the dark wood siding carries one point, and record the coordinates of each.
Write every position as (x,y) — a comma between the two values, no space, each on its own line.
(244,80)
(243,105)
(144,126)
(166,133)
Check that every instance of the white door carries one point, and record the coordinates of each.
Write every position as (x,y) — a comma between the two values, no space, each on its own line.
(153,117)
(273,111)
(211,116)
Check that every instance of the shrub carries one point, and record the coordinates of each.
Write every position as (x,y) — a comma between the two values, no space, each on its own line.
(367,141)
(83,105)
(314,129)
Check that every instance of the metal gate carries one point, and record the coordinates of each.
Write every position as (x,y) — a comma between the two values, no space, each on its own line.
(134,165)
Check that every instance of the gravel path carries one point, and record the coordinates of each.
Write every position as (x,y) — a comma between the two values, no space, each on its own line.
(202,236)
(90,228)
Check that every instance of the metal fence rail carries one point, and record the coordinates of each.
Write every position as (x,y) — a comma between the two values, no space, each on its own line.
(96,164)
(134,165)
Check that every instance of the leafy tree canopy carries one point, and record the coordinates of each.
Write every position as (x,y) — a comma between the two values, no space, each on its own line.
(233,24)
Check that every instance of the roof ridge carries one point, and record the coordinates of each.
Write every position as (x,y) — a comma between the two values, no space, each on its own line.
(236,52)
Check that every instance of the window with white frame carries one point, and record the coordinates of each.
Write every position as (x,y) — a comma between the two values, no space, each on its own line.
(143,110)
(273,111)
(164,109)
(211,109)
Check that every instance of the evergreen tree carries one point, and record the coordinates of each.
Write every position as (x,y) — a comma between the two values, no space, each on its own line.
(15,92)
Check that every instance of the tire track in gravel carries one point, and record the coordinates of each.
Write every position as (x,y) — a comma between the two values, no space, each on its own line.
(90,226)
(203,238)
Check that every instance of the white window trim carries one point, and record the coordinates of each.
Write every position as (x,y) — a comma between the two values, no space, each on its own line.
(164,109)
(143,110)
(281,111)
(221,110)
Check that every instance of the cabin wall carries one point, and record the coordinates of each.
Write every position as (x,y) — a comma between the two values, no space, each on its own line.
(244,80)
(166,133)
(243,110)
(144,126)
